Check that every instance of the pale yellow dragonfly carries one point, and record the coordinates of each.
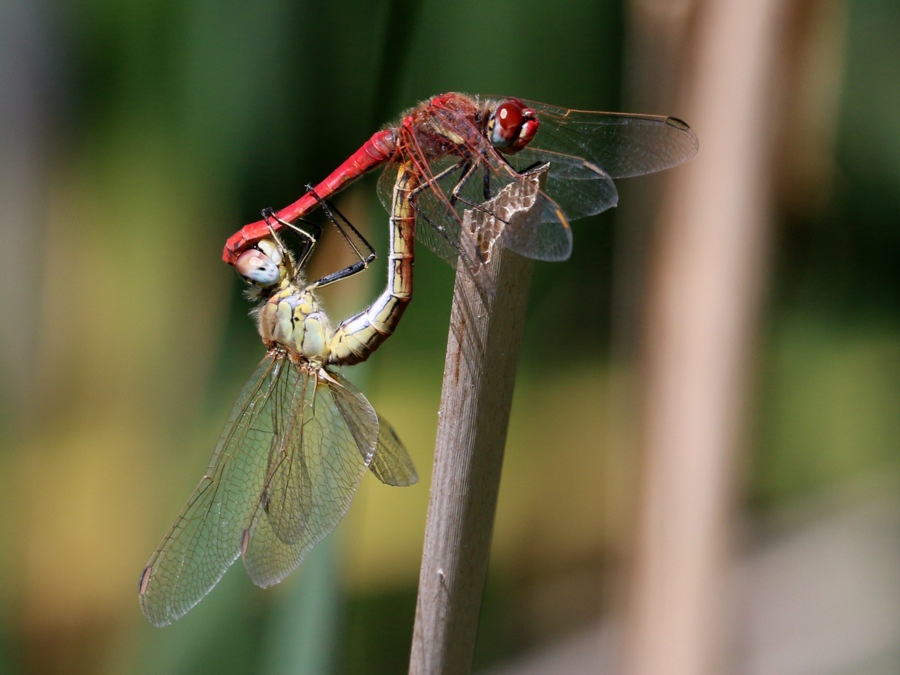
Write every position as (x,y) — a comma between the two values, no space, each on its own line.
(299,438)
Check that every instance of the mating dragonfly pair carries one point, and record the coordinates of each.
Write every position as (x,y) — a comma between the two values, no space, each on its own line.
(300,436)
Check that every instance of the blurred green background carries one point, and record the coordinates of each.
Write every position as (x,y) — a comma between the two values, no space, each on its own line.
(136,136)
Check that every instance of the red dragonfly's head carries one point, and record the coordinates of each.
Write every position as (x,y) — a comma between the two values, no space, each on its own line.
(512,126)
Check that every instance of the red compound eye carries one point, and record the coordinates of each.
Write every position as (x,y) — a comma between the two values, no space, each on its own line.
(512,126)
(509,115)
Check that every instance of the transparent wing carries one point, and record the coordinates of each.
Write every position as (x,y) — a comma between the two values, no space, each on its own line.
(585,149)
(206,539)
(581,188)
(391,464)
(313,476)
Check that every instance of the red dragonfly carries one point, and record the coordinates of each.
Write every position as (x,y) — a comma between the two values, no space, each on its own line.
(460,150)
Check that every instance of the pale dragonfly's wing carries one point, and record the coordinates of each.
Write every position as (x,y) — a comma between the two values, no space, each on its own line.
(333,436)
(285,469)
(206,538)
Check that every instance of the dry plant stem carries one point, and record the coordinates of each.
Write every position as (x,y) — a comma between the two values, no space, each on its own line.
(701,320)
(479,374)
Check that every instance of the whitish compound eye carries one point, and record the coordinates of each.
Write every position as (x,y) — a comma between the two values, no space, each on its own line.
(257,267)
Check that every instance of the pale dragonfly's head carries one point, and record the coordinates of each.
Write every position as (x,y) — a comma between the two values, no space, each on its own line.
(266,267)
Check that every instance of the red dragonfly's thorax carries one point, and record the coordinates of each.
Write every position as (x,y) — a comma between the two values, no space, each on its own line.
(459,124)
(431,129)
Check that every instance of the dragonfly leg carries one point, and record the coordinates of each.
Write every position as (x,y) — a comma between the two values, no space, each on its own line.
(455,193)
(340,221)
(311,236)
(467,169)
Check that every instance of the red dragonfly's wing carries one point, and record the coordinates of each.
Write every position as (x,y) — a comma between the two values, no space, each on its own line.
(585,149)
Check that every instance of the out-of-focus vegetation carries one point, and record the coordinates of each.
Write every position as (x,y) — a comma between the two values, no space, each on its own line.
(137,136)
